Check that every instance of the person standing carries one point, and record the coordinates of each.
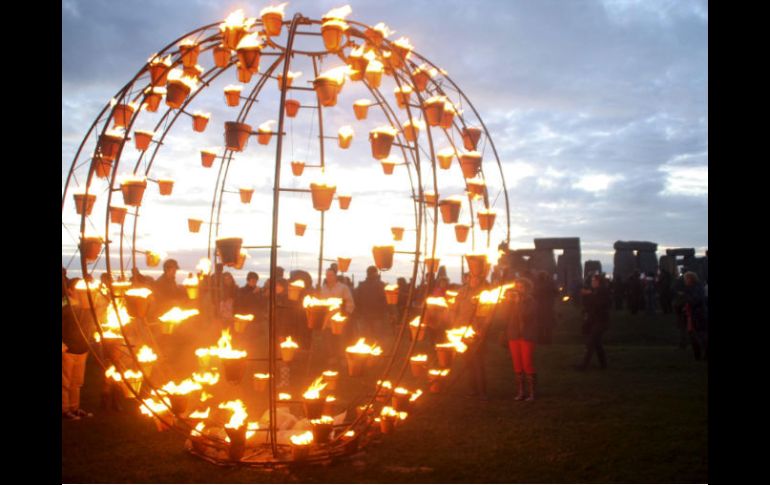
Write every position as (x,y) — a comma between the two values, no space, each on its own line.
(634,292)
(695,313)
(165,291)
(649,294)
(664,291)
(371,306)
(333,288)
(522,332)
(545,292)
(596,301)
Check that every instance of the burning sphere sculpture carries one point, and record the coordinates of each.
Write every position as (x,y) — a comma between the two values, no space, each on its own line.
(415,120)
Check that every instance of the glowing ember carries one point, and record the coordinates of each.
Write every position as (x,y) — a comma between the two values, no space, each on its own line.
(338,317)
(113,374)
(401,390)
(335,75)
(208,378)
(314,391)
(146,355)
(345,131)
(179,76)
(239,413)
(266,127)
(385,130)
(261,376)
(244,318)
(376,351)
(419,358)
(388,412)
(392,287)
(198,430)
(190,281)
(415,395)
(115,319)
(201,114)
(330,373)
(298,284)
(236,20)
(284,396)
(303,439)
(566,298)
(205,396)
(362,102)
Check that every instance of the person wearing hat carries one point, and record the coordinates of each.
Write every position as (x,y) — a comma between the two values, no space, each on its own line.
(165,291)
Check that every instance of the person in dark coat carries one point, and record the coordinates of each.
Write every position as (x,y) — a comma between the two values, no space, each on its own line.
(522,332)
(545,293)
(618,291)
(635,292)
(664,291)
(371,306)
(695,313)
(165,291)
(77,324)
(678,302)
(596,302)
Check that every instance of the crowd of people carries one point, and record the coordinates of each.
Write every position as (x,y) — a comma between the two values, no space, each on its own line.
(525,319)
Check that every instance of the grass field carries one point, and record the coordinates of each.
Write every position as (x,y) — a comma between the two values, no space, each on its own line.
(644,419)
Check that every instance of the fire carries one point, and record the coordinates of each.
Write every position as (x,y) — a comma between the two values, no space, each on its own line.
(403,43)
(239,413)
(385,130)
(180,76)
(208,378)
(303,439)
(460,333)
(284,396)
(205,396)
(392,287)
(200,415)
(336,75)
(131,178)
(204,265)
(415,395)
(405,89)
(177,315)
(314,391)
(566,298)
(140,292)
(115,319)
(108,334)
(232,88)
(202,352)
(330,398)
(244,318)
(486,211)
(150,406)
(185,387)
(198,430)
(146,355)
(401,390)
(113,374)
(323,420)
(438,372)
(298,284)
(361,347)
(251,429)
(324,181)
(289,344)
(362,102)
(251,41)
(330,373)
(385,384)
(224,348)
(338,317)
(388,412)
(338,13)
(345,131)
(201,114)
(419,358)
(376,351)
(375,66)
(450,296)
(236,20)
(349,434)
(190,281)
(436,301)
(278,9)
(261,376)
(331,303)
(435,99)
(266,127)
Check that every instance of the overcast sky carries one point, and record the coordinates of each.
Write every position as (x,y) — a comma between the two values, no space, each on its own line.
(598,109)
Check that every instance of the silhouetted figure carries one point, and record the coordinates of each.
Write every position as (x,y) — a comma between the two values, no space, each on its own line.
(545,293)
(596,302)
(695,314)
(678,302)
(371,305)
(166,293)
(618,289)
(522,330)
(635,293)
(664,291)
(649,294)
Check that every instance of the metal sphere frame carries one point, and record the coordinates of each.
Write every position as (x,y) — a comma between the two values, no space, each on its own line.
(207,38)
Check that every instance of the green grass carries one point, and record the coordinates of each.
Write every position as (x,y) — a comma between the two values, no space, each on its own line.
(642,420)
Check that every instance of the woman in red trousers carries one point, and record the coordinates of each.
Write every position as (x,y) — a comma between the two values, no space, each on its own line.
(522,333)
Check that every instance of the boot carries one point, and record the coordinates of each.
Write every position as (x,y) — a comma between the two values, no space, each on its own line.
(531,387)
(520,386)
